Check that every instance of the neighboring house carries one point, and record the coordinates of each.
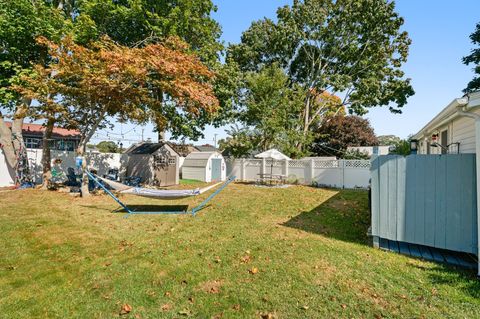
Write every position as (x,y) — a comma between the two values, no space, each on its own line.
(451,131)
(206,148)
(61,140)
(156,163)
(371,150)
(183,150)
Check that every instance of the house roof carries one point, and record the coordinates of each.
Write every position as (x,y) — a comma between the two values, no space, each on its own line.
(198,159)
(206,148)
(38,129)
(147,148)
(450,112)
(183,149)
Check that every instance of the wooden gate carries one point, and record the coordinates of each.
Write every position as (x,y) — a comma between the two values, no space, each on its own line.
(426,199)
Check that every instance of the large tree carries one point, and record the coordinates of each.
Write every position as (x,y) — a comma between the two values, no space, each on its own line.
(336,134)
(21,21)
(270,109)
(474,58)
(83,86)
(141,22)
(352,49)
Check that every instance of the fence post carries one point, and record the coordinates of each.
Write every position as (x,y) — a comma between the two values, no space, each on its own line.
(264,164)
(311,171)
(342,165)
(285,172)
(242,168)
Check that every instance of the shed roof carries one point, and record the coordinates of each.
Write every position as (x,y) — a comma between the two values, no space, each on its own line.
(147,148)
(198,159)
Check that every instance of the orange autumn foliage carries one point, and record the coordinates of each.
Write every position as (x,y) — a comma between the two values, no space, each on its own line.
(131,83)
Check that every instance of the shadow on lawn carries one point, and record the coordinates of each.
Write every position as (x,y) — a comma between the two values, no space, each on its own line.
(447,275)
(345,216)
(154,208)
(144,208)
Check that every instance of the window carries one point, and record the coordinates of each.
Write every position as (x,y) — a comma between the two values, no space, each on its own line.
(444,141)
(33,142)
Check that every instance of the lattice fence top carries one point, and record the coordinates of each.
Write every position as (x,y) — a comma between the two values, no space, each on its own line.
(268,163)
(357,164)
(297,163)
(253,162)
(326,164)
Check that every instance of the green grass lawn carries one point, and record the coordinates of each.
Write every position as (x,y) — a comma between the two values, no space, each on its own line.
(298,252)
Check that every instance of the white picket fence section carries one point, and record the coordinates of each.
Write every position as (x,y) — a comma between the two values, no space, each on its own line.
(330,173)
(100,161)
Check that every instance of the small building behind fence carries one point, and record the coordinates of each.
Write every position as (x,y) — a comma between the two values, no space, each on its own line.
(204,166)
(155,163)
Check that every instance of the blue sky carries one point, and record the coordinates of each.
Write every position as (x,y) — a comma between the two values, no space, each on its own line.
(439,30)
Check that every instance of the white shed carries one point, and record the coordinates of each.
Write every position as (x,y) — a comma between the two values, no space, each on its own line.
(205,167)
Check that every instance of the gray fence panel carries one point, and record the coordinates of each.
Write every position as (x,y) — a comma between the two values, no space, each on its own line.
(440,223)
(426,199)
(401,184)
(375,195)
(410,209)
(430,200)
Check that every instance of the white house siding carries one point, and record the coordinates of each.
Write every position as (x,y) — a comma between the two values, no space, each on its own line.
(463,131)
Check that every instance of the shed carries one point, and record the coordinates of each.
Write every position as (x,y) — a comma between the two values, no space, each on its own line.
(204,166)
(156,163)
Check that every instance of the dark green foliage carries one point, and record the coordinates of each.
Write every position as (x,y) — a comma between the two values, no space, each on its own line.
(108,147)
(21,22)
(354,47)
(474,58)
(336,134)
(402,147)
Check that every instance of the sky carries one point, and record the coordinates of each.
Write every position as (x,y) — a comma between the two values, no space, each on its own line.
(439,30)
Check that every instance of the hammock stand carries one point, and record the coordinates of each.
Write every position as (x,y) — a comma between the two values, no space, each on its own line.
(129,211)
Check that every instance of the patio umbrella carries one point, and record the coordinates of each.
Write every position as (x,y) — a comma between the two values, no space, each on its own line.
(273,154)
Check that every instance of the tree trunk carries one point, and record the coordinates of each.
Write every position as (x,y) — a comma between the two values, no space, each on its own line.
(11,141)
(82,146)
(306,122)
(46,156)
(84,186)
(6,143)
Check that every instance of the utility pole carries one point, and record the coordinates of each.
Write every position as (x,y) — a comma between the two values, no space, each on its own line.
(142,133)
(215,141)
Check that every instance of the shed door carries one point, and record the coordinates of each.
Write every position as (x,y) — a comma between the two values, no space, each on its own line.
(216,169)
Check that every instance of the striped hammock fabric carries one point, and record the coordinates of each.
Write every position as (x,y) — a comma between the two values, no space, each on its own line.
(156,193)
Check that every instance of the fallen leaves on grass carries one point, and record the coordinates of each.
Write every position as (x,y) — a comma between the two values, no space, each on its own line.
(236,307)
(211,287)
(253,271)
(246,259)
(185,312)
(126,308)
(268,315)
(166,307)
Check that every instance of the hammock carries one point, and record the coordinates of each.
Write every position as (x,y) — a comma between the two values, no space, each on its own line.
(156,193)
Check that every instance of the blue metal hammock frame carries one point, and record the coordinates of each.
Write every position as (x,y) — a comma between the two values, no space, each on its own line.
(129,211)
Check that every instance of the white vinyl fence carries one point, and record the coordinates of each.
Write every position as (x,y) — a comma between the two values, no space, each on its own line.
(329,173)
(102,162)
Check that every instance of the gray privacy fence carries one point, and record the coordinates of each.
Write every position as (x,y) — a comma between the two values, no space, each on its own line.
(426,199)
(331,173)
